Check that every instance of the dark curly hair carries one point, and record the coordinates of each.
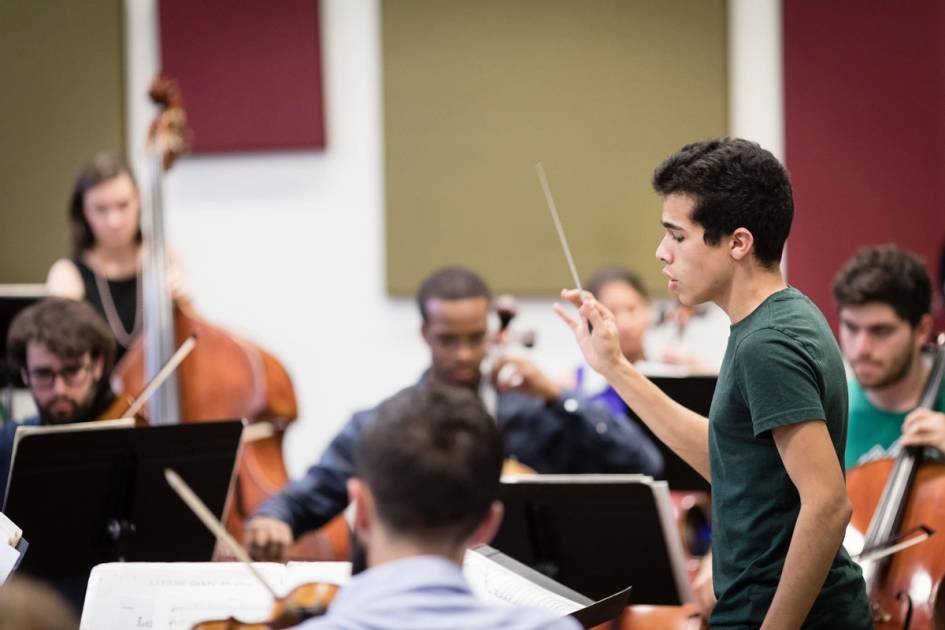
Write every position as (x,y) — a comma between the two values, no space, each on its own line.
(888,275)
(735,184)
(68,328)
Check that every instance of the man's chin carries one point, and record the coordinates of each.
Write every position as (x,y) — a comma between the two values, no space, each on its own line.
(60,417)
(469,381)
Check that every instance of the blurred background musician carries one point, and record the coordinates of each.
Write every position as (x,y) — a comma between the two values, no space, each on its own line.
(884,299)
(63,351)
(426,488)
(105,266)
(550,429)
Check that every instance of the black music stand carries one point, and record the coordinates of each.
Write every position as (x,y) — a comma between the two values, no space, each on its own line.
(592,614)
(596,534)
(692,392)
(88,495)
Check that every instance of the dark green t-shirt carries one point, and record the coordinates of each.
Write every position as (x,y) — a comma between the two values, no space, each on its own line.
(781,367)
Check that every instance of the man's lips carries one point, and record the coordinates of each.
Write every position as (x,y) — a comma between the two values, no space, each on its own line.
(865,366)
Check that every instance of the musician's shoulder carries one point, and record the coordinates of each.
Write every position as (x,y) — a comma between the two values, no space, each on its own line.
(64,280)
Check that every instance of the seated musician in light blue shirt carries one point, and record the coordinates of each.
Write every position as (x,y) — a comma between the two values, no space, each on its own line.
(427,478)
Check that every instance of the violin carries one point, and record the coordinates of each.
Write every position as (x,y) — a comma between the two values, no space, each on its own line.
(303,602)
(504,339)
(898,504)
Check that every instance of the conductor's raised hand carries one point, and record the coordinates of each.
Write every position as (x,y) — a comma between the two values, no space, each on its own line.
(268,538)
(599,343)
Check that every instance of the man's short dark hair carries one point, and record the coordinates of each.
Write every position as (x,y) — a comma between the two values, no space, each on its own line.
(68,329)
(432,460)
(101,168)
(451,283)
(735,183)
(888,275)
(614,273)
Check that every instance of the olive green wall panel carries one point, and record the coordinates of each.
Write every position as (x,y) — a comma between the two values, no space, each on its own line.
(62,69)
(477,92)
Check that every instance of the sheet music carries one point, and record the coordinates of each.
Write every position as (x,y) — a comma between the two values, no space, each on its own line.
(8,559)
(123,596)
(9,532)
(176,595)
(496,584)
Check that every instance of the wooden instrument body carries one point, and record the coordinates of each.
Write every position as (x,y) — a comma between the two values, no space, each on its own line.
(912,578)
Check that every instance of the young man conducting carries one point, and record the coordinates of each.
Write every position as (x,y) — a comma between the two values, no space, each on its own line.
(772,446)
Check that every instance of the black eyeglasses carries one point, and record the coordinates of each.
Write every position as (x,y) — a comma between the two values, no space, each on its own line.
(72,375)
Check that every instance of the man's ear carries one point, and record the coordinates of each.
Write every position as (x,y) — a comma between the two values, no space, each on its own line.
(98,368)
(923,329)
(741,243)
(25,376)
(360,496)
(487,528)
(425,332)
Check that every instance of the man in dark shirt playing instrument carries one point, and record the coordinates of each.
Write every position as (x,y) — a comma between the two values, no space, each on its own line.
(549,429)
(63,351)
(773,444)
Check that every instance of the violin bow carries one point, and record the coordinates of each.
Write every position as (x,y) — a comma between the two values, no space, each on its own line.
(207,518)
(166,370)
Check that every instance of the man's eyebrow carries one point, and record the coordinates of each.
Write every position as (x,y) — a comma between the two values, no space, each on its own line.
(671,226)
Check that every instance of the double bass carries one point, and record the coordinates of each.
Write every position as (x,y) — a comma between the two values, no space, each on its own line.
(225,376)
(899,504)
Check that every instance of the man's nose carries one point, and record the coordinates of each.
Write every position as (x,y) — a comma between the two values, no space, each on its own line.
(661,253)
(464,352)
(862,346)
(59,384)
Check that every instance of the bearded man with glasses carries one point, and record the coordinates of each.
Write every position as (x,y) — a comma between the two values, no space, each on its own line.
(64,352)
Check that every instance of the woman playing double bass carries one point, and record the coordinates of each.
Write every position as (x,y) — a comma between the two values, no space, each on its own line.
(105,266)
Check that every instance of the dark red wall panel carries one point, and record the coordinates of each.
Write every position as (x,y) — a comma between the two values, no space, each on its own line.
(865,132)
(250,71)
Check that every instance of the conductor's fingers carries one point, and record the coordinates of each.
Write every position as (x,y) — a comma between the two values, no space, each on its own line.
(574,296)
(592,311)
(566,317)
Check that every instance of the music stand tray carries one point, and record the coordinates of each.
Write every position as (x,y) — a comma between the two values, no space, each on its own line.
(88,496)
(596,534)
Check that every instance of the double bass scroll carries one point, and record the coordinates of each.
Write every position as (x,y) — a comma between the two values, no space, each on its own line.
(225,377)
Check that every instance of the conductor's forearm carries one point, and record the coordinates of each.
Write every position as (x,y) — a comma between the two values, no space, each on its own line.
(682,430)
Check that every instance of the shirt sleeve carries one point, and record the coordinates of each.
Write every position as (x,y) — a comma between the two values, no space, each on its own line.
(780,381)
(313,500)
(575,435)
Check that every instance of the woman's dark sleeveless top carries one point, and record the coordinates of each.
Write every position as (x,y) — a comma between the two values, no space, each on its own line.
(124,294)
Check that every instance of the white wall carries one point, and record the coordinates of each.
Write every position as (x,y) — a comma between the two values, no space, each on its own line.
(287,248)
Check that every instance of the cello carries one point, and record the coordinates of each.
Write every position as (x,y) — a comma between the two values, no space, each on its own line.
(898,504)
(225,376)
